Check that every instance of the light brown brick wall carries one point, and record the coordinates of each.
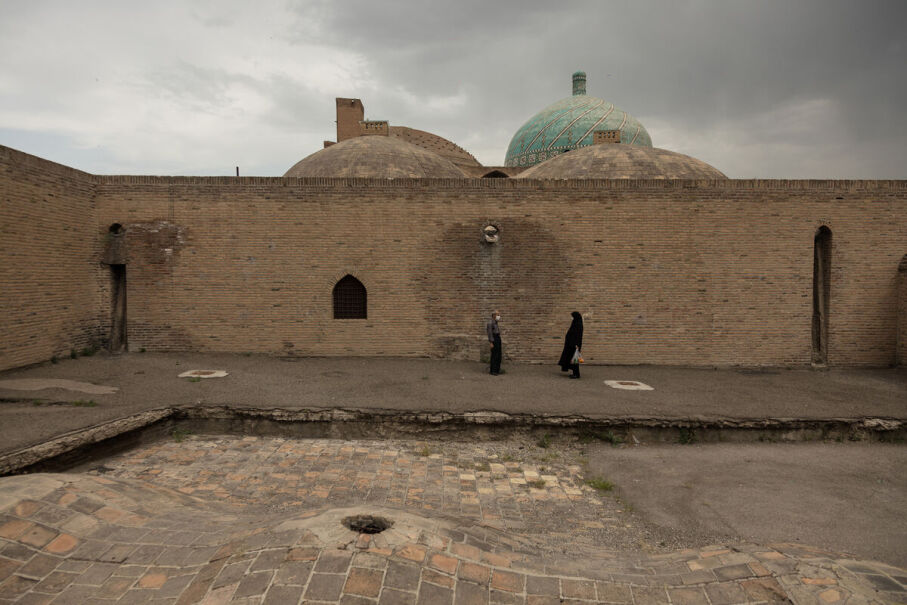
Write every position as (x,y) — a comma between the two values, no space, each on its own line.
(665,272)
(683,273)
(349,113)
(49,271)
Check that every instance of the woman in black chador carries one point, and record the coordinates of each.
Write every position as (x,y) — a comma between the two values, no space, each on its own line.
(573,342)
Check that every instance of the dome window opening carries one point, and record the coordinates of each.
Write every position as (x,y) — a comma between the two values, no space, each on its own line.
(350,299)
(115,229)
(374,128)
(605,137)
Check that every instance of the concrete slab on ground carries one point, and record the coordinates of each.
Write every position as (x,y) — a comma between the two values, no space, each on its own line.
(840,496)
(150,380)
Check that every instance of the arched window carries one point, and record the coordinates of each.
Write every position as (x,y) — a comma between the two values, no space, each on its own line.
(495,174)
(350,299)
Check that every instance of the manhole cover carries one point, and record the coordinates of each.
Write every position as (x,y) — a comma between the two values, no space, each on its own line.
(628,385)
(367,524)
(203,374)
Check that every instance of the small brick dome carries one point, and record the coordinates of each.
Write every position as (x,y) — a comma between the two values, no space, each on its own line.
(375,157)
(618,161)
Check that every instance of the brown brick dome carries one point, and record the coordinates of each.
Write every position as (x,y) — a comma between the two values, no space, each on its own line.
(376,157)
(432,142)
(617,161)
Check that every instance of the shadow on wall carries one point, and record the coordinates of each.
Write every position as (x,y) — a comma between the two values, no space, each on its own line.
(522,274)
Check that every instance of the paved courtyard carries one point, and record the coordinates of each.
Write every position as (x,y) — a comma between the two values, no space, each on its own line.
(218,519)
(199,518)
(144,381)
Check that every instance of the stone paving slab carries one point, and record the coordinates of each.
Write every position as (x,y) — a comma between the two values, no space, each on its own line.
(258,520)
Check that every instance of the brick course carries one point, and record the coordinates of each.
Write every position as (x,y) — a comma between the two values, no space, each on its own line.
(665,272)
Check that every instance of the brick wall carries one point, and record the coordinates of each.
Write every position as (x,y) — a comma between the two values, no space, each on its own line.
(50,279)
(349,113)
(690,273)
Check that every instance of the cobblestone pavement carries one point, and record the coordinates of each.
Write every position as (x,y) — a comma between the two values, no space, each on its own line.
(259,521)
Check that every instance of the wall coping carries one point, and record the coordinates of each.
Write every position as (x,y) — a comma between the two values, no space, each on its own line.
(20,157)
(461,184)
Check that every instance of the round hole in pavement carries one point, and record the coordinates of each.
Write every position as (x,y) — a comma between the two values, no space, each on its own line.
(367,524)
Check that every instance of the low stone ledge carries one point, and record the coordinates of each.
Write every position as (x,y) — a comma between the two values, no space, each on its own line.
(390,423)
(62,444)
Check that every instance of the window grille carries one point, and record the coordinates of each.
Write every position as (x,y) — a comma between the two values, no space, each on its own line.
(350,299)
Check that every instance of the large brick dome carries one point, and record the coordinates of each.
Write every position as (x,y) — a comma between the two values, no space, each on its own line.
(569,124)
(616,161)
(375,156)
(432,142)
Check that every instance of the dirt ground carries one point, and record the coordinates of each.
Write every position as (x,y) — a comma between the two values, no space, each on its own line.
(846,497)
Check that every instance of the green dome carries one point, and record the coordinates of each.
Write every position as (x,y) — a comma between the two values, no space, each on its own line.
(569,124)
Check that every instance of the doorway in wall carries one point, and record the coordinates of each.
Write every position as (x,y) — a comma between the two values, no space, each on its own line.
(821,294)
(117,341)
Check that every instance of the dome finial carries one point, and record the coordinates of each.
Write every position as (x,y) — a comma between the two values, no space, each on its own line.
(579,83)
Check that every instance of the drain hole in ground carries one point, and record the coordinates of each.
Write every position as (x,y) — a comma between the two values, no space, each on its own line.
(367,524)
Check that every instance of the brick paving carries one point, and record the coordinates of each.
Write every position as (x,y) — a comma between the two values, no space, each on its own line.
(258,521)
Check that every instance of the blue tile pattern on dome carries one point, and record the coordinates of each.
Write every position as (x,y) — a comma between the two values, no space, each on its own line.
(569,124)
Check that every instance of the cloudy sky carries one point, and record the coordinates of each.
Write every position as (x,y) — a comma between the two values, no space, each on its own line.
(758,88)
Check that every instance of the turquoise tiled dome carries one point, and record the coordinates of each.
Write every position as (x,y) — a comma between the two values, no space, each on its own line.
(569,124)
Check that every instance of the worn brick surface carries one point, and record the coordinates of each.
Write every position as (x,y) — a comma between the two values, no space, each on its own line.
(435,595)
(390,596)
(688,291)
(50,299)
(235,547)
(363,582)
(325,587)
(280,594)
(402,576)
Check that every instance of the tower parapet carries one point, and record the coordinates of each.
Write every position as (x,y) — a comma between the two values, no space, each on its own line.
(579,83)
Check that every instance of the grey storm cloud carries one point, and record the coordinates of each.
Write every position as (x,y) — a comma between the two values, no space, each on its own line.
(772,89)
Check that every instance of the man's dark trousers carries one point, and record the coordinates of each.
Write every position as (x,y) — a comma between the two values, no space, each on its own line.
(496,355)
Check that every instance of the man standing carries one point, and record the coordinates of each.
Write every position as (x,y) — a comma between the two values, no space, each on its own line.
(494,341)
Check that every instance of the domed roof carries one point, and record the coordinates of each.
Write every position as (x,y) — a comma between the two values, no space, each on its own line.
(375,156)
(618,161)
(432,142)
(569,124)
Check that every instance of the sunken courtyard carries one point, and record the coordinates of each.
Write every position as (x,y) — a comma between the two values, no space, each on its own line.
(275,390)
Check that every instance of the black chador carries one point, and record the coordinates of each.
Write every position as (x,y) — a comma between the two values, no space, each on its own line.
(573,341)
